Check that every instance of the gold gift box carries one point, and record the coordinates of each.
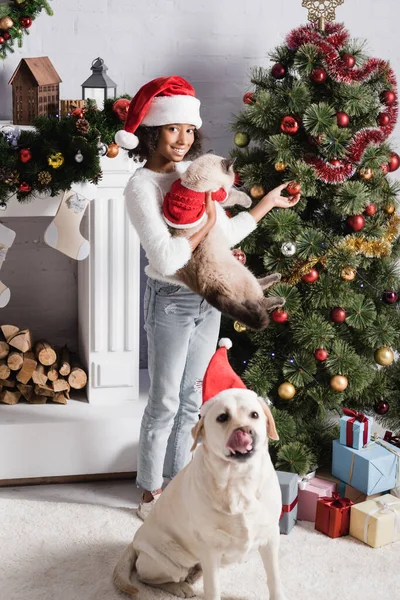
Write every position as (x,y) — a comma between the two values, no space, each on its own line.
(376,522)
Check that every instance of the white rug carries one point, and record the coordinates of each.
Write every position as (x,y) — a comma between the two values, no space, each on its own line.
(60,551)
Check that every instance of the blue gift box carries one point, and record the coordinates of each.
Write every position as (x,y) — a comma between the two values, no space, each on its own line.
(372,469)
(289,488)
(358,431)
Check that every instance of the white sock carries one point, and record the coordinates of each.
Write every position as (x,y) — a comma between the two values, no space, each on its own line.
(7,237)
(63,232)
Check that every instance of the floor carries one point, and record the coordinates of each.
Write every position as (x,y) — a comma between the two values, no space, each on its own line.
(103,493)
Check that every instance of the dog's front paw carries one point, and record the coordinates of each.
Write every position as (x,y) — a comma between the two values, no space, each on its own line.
(180,589)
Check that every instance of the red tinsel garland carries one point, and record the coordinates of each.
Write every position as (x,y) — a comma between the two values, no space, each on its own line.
(329,43)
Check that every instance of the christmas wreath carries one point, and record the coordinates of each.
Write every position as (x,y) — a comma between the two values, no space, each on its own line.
(16,17)
(49,158)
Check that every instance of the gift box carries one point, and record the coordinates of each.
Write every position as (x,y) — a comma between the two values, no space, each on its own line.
(372,469)
(355,429)
(355,495)
(313,490)
(333,515)
(327,476)
(376,522)
(289,488)
(392,439)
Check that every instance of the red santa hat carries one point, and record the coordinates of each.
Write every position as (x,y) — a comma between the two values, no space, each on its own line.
(159,102)
(219,375)
(184,208)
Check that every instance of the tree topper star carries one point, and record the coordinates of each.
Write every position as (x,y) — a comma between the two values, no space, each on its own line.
(321,8)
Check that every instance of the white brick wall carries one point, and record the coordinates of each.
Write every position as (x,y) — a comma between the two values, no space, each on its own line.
(213,43)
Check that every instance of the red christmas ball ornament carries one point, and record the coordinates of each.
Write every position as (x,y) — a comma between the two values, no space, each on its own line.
(394,162)
(2,40)
(293,188)
(248,98)
(25,155)
(24,187)
(370,210)
(356,222)
(311,276)
(335,162)
(318,75)
(390,297)
(239,255)
(289,125)
(342,119)
(120,107)
(383,119)
(77,113)
(321,354)
(387,97)
(279,315)
(338,315)
(6,35)
(381,408)
(25,22)
(348,60)
(278,71)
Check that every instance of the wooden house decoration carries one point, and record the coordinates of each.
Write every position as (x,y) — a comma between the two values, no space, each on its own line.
(35,89)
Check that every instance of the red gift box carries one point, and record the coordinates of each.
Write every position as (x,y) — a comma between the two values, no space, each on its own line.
(333,515)
(392,439)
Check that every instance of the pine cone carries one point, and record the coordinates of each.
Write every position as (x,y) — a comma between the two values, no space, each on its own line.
(12,178)
(5,173)
(44,177)
(97,178)
(83,126)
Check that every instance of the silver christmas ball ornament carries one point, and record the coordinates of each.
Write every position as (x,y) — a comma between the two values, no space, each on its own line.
(102,149)
(79,157)
(288,249)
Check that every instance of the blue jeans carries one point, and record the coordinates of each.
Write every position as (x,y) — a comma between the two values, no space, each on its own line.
(182,333)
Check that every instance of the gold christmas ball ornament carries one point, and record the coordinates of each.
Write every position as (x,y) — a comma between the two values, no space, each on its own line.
(280,166)
(239,327)
(390,208)
(286,391)
(6,23)
(113,150)
(55,160)
(366,173)
(384,356)
(257,192)
(348,273)
(339,383)
(242,139)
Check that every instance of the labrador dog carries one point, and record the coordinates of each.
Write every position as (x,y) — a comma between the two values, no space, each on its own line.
(223,505)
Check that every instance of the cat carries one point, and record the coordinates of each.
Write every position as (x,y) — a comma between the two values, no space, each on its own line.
(212,271)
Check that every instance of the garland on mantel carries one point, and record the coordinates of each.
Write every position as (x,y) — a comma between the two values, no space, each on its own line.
(16,17)
(49,158)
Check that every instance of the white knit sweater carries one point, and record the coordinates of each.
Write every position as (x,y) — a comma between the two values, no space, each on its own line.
(167,254)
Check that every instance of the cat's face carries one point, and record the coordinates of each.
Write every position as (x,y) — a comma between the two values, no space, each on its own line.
(209,172)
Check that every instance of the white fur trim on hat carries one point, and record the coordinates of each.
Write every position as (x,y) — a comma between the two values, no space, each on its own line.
(225,394)
(184,225)
(126,140)
(164,110)
(225,343)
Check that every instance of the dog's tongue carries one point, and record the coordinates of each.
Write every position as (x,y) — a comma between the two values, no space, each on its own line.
(240,441)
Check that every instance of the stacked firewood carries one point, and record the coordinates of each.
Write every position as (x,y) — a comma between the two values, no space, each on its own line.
(36,372)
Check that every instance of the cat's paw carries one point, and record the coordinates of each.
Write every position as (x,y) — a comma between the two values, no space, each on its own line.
(276,302)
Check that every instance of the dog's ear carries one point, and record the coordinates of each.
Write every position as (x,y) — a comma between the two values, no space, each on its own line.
(197,433)
(271,429)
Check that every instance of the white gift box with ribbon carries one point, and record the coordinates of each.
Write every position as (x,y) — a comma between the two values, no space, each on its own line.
(376,522)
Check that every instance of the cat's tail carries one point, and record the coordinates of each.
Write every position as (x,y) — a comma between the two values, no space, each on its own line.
(123,570)
(251,314)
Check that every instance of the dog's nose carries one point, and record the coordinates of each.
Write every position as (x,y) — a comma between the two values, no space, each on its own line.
(245,428)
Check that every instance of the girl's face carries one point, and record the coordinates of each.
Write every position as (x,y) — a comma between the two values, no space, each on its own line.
(175,141)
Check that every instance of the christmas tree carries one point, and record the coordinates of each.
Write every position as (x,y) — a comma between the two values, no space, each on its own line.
(320,119)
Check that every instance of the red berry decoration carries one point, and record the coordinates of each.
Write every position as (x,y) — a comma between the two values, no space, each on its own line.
(6,35)
(25,155)
(387,97)
(370,210)
(311,276)
(24,187)
(321,354)
(338,315)
(239,255)
(342,119)
(278,71)
(383,119)
(356,222)
(293,188)
(77,113)
(248,98)
(335,162)
(381,408)
(385,168)
(25,22)
(348,60)
(279,315)
(394,162)
(2,40)
(390,297)
(289,125)
(318,75)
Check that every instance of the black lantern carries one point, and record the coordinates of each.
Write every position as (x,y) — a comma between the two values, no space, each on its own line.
(99,86)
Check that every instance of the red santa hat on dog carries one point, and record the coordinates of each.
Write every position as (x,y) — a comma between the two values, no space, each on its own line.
(219,375)
(159,102)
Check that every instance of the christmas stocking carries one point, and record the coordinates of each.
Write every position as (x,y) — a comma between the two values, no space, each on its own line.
(7,237)
(63,232)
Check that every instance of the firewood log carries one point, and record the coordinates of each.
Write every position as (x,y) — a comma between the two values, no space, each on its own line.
(4,349)
(39,375)
(26,390)
(4,369)
(60,398)
(28,367)
(44,390)
(10,397)
(21,341)
(65,364)
(52,372)
(9,331)
(38,399)
(15,360)
(8,383)
(61,385)
(45,353)
(77,379)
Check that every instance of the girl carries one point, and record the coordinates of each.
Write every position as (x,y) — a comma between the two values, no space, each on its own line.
(182,328)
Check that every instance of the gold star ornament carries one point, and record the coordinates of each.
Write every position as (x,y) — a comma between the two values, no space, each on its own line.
(324,9)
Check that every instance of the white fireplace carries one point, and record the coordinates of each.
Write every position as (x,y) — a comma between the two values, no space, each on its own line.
(97,434)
